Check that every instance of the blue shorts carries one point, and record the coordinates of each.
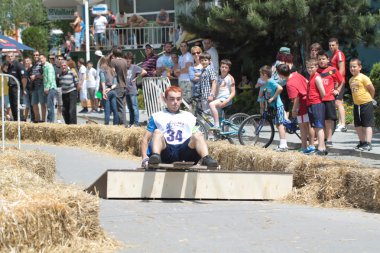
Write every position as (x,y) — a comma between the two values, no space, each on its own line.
(38,95)
(179,153)
(280,116)
(316,114)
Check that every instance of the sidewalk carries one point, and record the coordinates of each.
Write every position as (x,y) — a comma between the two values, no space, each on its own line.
(343,142)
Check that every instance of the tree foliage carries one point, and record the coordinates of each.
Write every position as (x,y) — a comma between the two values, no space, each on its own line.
(14,12)
(36,37)
(255,29)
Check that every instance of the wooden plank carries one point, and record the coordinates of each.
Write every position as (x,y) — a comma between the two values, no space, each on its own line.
(179,166)
(223,185)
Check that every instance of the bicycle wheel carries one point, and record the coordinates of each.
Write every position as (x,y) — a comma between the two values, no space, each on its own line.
(231,126)
(202,128)
(255,130)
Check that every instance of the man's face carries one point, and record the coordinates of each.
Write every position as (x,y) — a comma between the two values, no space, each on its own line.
(323,61)
(314,53)
(36,56)
(129,62)
(183,48)
(173,101)
(27,62)
(333,46)
(168,48)
(11,57)
(205,62)
(207,44)
(42,59)
(148,50)
(64,66)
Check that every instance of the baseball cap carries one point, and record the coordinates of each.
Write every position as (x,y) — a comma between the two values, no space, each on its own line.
(98,53)
(148,46)
(284,50)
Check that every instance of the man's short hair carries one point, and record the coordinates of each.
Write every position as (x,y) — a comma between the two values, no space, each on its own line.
(172,89)
(226,62)
(129,55)
(312,62)
(266,70)
(283,69)
(117,52)
(205,55)
(316,46)
(89,62)
(334,40)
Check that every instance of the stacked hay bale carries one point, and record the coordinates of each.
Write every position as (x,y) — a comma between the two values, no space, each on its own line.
(40,215)
(317,180)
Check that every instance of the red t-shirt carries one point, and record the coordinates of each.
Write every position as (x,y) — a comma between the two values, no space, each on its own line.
(330,76)
(297,87)
(313,96)
(337,57)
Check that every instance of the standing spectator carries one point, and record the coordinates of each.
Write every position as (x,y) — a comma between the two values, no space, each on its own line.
(111,35)
(76,25)
(164,62)
(133,73)
(245,84)
(50,87)
(121,25)
(138,21)
(91,86)
(150,61)
(162,19)
(338,61)
(17,70)
(58,70)
(38,96)
(4,80)
(68,82)
(363,93)
(207,81)
(67,49)
(173,73)
(108,81)
(121,68)
(333,82)
(27,94)
(208,46)
(195,71)
(184,63)
(100,25)
(314,50)
(82,85)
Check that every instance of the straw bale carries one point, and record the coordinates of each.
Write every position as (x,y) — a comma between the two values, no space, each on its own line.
(36,161)
(36,215)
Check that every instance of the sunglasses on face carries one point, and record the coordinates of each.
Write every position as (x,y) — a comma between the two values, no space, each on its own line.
(36,55)
(194,53)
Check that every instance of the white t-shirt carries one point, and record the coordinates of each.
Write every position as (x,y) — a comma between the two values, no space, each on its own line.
(100,24)
(82,75)
(182,60)
(224,86)
(121,19)
(91,78)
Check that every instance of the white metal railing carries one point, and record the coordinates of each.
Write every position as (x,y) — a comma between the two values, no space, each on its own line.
(3,107)
(135,37)
(153,90)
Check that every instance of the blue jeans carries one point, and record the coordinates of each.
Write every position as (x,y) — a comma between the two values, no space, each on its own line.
(133,107)
(50,106)
(110,105)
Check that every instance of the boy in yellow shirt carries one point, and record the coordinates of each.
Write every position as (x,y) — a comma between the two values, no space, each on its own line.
(363,93)
(4,80)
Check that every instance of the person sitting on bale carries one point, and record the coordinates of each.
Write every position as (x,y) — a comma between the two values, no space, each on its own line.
(174,135)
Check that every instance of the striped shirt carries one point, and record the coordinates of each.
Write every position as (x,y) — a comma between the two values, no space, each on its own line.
(68,82)
(207,76)
(149,65)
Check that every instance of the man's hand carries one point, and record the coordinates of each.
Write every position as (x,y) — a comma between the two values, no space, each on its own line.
(144,162)
(46,91)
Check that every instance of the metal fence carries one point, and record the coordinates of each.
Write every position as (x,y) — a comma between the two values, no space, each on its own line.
(153,91)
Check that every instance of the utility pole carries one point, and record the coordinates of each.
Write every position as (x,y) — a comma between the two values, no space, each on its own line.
(87,34)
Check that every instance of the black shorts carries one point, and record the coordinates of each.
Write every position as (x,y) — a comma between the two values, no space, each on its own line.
(363,115)
(341,93)
(179,153)
(330,113)
(285,99)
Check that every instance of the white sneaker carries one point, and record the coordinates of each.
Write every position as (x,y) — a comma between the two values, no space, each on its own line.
(340,128)
(59,121)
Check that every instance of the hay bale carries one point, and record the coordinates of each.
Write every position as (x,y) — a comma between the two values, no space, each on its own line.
(38,215)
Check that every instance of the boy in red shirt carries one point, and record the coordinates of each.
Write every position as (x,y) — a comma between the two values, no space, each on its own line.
(316,107)
(297,90)
(338,61)
(333,83)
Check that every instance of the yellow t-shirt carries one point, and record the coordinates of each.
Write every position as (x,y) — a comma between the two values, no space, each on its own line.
(359,91)
(5,85)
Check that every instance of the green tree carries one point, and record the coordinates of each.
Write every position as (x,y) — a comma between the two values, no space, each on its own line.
(36,37)
(14,12)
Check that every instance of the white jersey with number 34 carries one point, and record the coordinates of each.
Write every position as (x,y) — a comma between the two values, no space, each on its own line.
(176,127)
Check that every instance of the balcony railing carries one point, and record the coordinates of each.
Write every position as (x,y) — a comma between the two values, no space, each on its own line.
(134,37)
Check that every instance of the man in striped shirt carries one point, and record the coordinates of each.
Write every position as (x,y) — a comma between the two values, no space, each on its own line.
(69,84)
(150,61)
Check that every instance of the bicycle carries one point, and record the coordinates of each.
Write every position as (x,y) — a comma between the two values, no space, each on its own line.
(259,128)
(229,127)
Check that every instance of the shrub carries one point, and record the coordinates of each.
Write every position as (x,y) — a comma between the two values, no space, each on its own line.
(36,37)
(375,78)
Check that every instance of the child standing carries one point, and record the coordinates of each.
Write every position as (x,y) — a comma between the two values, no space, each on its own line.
(207,81)
(261,84)
(272,93)
(316,107)
(226,91)
(363,92)
(91,86)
